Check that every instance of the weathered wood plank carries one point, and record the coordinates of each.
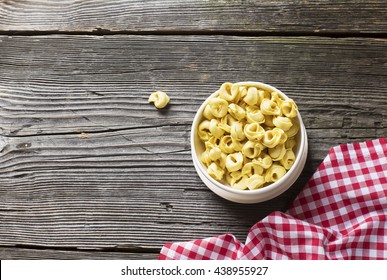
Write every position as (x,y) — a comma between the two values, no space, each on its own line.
(353,16)
(34,254)
(86,162)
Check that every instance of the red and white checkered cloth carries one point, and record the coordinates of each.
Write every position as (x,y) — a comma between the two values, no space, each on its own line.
(340,214)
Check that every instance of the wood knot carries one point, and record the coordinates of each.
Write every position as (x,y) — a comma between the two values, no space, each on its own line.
(167,206)
(23,146)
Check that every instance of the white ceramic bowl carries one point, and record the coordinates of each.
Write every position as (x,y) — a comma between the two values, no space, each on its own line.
(249,196)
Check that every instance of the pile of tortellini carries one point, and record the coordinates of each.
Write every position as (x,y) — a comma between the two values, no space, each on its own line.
(249,136)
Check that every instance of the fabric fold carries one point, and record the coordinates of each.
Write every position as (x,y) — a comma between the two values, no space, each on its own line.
(340,214)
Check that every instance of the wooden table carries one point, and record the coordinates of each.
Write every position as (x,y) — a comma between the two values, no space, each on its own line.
(89,169)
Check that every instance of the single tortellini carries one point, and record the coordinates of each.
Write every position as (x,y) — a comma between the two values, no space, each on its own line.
(282,122)
(218,107)
(264,160)
(207,112)
(252,96)
(226,122)
(215,171)
(221,162)
(289,108)
(274,173)
(269,107)
(252,168)
(236,111)
(275,97)
(226,93)
(215,128)
(205,158)
(277,153)
(293,130)
(254,131)
(226,144)
(234,162)
(288,159)
(255,182)
(159,98)
(240,184)
(254,115)
(204,130)
(236,131)
(272,137)
(252,149)
(215,153)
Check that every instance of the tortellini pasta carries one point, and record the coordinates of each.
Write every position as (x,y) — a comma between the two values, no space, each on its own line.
(159,98)
(249,136)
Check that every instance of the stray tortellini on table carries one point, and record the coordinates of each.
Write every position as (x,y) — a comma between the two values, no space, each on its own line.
(159,98)
(249,136)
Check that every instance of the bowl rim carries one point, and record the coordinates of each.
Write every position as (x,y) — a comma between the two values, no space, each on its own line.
(263,190)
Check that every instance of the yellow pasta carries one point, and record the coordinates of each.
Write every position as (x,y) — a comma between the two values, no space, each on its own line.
(252,149)
(221,162)
(272,137)
(226,93)
(290,143)
(215,153)
(274,173)
(159,98)
(269,107)
(236,111)
(254,115)
(215,171)
(277,153)
(226,144)
(237,145)
(255,182)
(254,131)
(249,136)
(293,130)
(289,108)
(288,159)
(240,184)
(205,158)
(264,160)
(207,113)
(204,130)
(269,121)
(252,168)
(263,95)
(282,122)
(218,107)
(275,97)
(226,122)
(252,96)
(236,131)
(215,128)
(234,162)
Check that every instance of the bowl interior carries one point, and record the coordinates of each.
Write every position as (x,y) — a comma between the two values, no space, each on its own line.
(198,147)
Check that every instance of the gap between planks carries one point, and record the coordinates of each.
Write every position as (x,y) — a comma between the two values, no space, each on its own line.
(241,33)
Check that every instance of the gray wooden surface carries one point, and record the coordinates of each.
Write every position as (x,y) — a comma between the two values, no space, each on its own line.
(88,169)
(354,16)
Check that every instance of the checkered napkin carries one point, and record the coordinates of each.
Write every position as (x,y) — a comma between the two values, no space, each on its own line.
(340,214)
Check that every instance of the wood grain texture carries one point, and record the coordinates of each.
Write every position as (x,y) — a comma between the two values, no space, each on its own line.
(87,164)
(332,16)
(15,253)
